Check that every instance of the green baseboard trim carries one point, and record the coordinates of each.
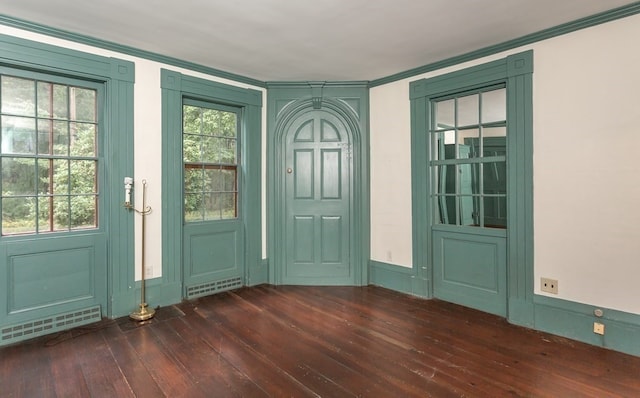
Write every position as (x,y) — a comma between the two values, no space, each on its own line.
(390,276)
(575,321)
(157,292)
(398,278)
(520,312)
(420,287)
(123,303)
(559,317)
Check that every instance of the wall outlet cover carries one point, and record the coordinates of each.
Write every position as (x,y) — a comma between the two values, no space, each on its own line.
(549,285)
(598,328)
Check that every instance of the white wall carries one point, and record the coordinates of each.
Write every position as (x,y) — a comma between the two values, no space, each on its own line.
(586,165)
(147,140)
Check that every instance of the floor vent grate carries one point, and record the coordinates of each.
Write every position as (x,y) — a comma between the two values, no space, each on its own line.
(27,330)
(208,288)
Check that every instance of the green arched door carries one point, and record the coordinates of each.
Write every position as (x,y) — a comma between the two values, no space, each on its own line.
(316,170)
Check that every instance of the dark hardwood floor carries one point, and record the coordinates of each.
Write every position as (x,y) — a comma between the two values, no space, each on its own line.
(313,342)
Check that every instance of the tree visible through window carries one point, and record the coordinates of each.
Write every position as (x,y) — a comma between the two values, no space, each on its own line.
(49,156)
(210,138)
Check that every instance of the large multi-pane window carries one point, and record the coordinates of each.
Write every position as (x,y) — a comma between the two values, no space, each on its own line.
(48,155)
(210,155)
(468,158)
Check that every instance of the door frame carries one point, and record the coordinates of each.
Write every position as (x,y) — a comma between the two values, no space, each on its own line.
(176,86)
(348,102)
(118,78)
(516,71)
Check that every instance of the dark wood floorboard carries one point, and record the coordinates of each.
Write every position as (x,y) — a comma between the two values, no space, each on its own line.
(291,341)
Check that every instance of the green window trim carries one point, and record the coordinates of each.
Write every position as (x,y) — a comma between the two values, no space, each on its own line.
(118,76)
(515,72)
(176,88)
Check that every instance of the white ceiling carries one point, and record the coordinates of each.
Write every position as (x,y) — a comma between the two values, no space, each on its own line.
(300,40)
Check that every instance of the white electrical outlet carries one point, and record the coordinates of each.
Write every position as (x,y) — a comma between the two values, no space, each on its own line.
(598,328)
(549,285)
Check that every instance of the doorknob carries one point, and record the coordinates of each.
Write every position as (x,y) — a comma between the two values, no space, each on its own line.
(289,170)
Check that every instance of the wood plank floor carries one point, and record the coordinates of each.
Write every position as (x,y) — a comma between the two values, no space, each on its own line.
(313,342)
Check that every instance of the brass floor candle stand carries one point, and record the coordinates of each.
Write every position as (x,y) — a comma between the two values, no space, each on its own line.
(144,312)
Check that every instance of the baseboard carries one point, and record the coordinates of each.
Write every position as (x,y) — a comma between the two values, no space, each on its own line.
(521,312)
(398,278)
(51,324)
(157,293)
(575,321)
(559,317)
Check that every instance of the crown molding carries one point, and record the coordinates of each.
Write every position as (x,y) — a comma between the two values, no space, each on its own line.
(593,20)
(107,45)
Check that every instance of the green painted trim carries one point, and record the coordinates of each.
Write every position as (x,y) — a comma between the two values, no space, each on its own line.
(174,87)
(419,191)
(118,77)
(575,321)
(107,45)
(123,70)
(520,180)
(516,71)
(391,276)
(298,84)
(157,294)
(120,164)
(593,20)
(44,57)
(298,97)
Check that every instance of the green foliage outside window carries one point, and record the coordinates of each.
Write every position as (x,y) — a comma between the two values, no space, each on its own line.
(210,163)
(49,156)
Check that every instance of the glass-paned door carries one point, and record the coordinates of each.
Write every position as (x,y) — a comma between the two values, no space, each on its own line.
(467,142)
(54,238)
(213,229)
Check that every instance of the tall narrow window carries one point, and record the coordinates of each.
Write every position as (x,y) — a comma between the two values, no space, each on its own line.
(210,155)
(49,156)
(468,159)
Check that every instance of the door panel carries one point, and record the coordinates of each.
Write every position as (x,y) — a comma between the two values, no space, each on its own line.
(303,177)
(317,201)
(213,252)
(470,269)
(304,239)
(331,179)
(210,255)
(331,239)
